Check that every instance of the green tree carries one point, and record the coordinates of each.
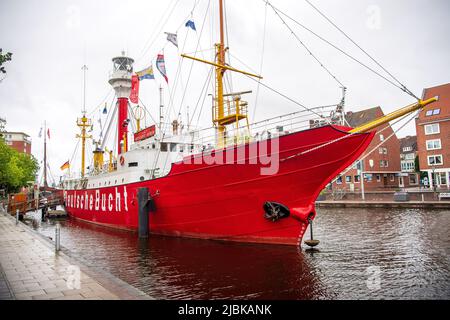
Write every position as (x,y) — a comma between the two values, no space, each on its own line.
(4,57)
(16,169)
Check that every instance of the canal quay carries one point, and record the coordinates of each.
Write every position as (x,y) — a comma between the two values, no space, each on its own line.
(368,253)
(30,269)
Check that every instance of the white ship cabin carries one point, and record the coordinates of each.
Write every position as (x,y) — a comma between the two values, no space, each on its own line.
(148,158)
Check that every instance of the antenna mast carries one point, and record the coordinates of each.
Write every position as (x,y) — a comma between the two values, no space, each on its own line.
(83,123)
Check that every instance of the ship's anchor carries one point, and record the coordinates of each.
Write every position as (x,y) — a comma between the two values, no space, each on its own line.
(311,242)
(275,211)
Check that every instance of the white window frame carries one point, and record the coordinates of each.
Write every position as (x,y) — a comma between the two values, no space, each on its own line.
(431,141)
(435,155)
(431,125)
(381,137)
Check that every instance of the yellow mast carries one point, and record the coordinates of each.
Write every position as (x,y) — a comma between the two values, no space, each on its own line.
(83,123)
(234,114)
(220,47)
(393,115)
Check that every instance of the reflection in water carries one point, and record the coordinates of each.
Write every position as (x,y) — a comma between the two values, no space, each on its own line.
(410,248)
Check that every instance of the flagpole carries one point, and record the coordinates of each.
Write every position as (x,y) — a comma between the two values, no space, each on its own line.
(45,155)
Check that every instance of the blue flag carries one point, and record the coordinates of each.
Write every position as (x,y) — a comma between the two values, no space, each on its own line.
(191,24)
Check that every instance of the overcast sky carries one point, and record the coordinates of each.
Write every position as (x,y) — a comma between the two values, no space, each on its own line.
(52,40)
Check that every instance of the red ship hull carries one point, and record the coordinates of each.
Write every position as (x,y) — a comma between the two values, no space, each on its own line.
(225,201)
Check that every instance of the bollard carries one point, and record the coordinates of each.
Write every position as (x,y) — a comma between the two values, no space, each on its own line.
(17,216)
(57,237)
(143,212)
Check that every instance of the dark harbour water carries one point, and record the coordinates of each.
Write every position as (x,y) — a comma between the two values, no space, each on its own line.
(363,254)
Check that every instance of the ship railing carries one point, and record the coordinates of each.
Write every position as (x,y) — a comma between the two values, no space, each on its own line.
(276,126)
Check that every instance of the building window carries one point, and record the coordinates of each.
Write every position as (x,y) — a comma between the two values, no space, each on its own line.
(368,177)
(132,164)
(406,149)
(435,160)
(434,144)
(434,112)
(381,137)
(339,180)
(348,179)
(412,179)
(357,179)
(384,163)
(378,177)
(173,147)
(432,128)
(163,147)
(443,178)
(392,176)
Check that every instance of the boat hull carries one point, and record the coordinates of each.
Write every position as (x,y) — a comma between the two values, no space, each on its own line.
(223,200)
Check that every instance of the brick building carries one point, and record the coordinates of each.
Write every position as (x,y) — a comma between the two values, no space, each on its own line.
(408,153)
(18,140)
(433,137)
(381,169)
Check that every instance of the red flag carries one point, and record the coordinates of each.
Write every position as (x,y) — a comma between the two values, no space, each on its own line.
(48,133)
(134,95)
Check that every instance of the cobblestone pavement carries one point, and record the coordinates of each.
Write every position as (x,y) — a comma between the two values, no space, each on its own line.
(31,270)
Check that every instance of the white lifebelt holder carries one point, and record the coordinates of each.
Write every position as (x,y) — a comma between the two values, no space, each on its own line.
(122,160)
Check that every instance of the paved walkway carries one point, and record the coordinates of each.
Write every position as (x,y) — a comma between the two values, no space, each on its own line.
(30,269)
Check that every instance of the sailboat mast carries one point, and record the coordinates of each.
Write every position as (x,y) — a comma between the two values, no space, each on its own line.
(45,155)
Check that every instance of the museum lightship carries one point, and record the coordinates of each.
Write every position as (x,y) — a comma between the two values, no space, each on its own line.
(252,183)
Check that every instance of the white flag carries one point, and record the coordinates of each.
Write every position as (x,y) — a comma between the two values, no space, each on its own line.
(172,37)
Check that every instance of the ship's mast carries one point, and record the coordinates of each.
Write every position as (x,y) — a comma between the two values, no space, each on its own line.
(83,123)
(220,47)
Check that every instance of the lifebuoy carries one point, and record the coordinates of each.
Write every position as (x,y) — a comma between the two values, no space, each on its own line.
(122,160)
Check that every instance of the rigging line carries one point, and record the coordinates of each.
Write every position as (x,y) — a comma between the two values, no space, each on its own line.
(178,76)
(184,93)
(192,63)
(261,63)
(307,49)
(204,88)
(111,121)
(337,48)
(101,103)
(145,108)
(230,79)
(381,143)
(403,87)
(287,98)
(157,30)
(330,142)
